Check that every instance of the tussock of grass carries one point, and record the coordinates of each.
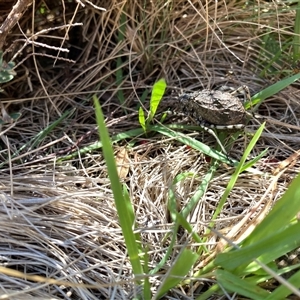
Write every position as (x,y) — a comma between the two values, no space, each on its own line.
(58,217)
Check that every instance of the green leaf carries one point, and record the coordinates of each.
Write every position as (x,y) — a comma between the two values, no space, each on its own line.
(235,176)
(14,117)
(142,118)
(5,77)
(147,285)
(156,96)
(38,137)
(6,70)
(158,91)
(265,250)
(282,292)
(192,142)
(280,216)
(10,65)
(184,262)
(119,61)
(122,201)
(296,35)
(240,286)
(271,90)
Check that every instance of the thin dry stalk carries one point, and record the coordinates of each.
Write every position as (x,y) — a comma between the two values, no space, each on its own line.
(58,220)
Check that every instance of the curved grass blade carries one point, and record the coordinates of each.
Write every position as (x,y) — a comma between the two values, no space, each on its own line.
(271,90)
(122,201)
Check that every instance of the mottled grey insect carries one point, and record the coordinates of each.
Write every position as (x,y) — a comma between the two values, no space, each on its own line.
(216,108)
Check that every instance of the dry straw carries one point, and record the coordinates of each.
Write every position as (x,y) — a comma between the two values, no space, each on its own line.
(58,220)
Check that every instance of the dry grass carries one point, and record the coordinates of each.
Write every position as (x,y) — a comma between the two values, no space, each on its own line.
(58,219)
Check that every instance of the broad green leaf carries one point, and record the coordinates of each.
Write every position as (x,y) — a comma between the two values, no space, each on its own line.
(158,91)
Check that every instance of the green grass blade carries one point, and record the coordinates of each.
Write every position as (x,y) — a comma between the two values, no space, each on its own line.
(47,130)
(280,216)
(190,229)
(123,204)
(184,262)
(238,170)
(210,292)
(157,93)
(282,292)
(41,135)
(271,90)
(169,250)
(234,284)
(274,236)
(130,134)
(179,218)
(173,213)
(296,42)
(266,250)
(193,143)
(142,119)
(119,71)
(200,191)
(253,161)
(147,285)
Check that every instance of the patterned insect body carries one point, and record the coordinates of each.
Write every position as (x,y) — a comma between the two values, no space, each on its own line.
(214,108)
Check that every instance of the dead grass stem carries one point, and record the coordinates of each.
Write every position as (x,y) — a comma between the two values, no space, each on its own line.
(58,219)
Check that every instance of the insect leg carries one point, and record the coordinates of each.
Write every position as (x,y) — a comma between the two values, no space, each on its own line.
(244,90)
(210,131)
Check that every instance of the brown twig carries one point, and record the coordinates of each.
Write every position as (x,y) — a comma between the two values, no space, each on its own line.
(14,16)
